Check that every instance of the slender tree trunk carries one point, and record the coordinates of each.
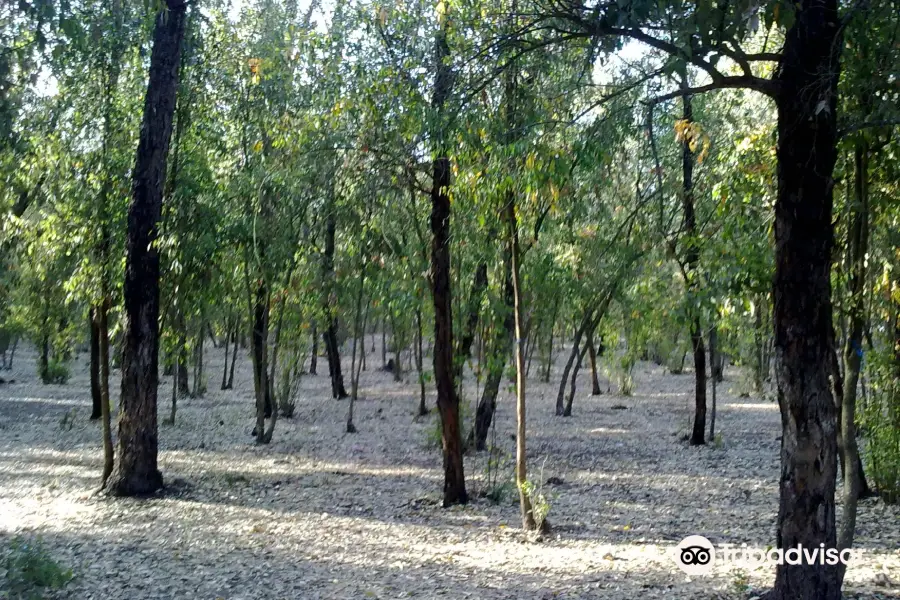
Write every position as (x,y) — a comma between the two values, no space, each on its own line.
(225,367)
(713,353)
(691,275)
(595,379)
(579,332)
(96,402)
(499,348)
(259,342)
(313,367)
(106,419)
(527,511)
(383,342)
(549,366)
(857,248)
(420,334)
(716,360)
(358,340)
(447,398)
(198,371)
(234,350)
(331,342)
(807,124)
(136,472)
(276,347)
(573,381)
(181,371)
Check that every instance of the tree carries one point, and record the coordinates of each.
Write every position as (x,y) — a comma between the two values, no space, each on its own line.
(447,397)
(136,472)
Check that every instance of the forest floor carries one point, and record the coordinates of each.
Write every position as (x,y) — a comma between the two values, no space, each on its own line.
(323,514)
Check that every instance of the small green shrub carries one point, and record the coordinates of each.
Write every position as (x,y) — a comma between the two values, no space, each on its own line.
(740,581)
(56,372)
(540,503)
(30,570)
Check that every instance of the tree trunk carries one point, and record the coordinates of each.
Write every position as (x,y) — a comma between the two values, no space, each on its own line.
(420,334)
(332,348)
(713,353)
(96,402)
(181,372)
(234,350)
(473,311)
(102,315)
(259,342)
(447,399)
(198,370)
(857,248)
(499,347)
(807,105)
(136,472)
(698,435)
(359,339)
(716,360)
(549,366)
(595,379)
(573,381)
(579,332)
(313,367)
(528,521)
(225,367)
(691,276)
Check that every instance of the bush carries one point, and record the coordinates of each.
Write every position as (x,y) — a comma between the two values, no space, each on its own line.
(880,422)
(56,372)
(499,477)
(30,570)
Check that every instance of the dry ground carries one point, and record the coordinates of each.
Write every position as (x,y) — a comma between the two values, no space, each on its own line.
(322,514)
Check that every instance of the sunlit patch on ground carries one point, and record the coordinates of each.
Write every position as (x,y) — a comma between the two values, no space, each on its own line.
(322,514)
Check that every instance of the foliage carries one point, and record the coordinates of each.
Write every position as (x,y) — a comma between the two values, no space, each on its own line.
(30,570)
(56,372)
(879,419)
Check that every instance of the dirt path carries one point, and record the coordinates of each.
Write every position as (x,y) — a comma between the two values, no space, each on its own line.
(322,514)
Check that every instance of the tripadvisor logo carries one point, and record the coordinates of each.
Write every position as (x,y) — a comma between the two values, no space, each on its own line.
(695,555)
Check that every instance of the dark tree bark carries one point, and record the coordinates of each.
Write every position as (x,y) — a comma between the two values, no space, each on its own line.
(314,359)
(420,334)
(101,316)
(447,398)
(332,349)
(96,402)
(234,351)
(259,351)
(573,381)
(691,275)
(136,472)
(807,77)
(576,344)
(225,365)
(499,348)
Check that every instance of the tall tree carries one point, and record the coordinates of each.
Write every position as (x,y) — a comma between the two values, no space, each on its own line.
(447,397)
(136,472)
